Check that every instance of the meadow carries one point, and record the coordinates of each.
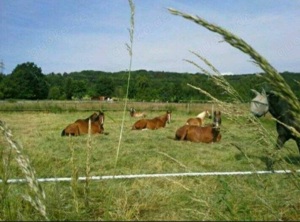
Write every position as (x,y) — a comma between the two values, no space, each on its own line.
(247,144)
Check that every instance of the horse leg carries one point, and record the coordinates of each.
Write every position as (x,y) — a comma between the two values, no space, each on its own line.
(283,135)
(181,133)
(298,143)
(281,139)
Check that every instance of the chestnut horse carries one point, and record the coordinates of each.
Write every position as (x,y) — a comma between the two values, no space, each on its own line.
(73,128)
(80,127)
(155,123)
(93,118)
(134,113)
(199,120)
(206,134)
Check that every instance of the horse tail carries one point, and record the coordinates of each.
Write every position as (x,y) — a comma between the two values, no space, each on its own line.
(63,133)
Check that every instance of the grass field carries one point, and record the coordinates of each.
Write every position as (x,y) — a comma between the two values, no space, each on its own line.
(245,146)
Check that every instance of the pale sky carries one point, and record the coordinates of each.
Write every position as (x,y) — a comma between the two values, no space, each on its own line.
(75,35)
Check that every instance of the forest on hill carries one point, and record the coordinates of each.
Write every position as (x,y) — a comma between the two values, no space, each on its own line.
(28,82)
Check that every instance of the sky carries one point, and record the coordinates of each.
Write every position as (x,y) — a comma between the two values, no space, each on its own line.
(74,35)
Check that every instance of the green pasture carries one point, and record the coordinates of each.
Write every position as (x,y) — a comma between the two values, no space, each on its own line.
(246,145)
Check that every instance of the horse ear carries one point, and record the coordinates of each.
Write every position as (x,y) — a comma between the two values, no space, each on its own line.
(263,92)
(256,93)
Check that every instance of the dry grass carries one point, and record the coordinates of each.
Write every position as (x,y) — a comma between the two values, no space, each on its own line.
(246,145)
(36,195)
(186,198)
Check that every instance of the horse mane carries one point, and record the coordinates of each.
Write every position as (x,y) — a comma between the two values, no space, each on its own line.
(202,114)
(277,105)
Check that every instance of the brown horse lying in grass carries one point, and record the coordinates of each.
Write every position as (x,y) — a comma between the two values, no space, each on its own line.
(206,134)
(134,113)
(199,120)
(155,123)
(93,118)
(81,126)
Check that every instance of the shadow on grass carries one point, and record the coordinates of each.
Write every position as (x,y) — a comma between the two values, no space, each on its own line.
(292,159)
(270,161)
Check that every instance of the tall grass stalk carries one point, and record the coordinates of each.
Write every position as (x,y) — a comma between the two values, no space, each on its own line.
(130,51)
(74,176)
(218,79)
(6,155)
(88,166)
(36,196)
(279,86)
(275,80)
(228,108)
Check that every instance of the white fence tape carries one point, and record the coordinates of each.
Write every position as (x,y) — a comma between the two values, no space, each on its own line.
(136,176)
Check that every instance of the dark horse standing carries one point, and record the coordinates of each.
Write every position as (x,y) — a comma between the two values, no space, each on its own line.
(279,109)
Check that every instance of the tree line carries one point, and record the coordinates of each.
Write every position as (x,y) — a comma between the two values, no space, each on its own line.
(27,81)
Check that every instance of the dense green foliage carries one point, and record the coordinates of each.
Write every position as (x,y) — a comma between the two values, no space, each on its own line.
(25,82)
(28,82)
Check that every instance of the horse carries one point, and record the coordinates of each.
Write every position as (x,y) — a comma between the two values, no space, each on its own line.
(153,124)
(93,118)
(205,134)
(80,127)
(133,113)
(280,109)
(199,120)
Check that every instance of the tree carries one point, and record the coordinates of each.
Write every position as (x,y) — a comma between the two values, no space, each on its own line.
(54,93)
(68,88)
(79,88)
(105,86)
(28,82)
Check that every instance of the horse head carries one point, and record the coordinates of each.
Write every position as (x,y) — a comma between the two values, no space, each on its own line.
(169,116)
(259,105)
(132,111)
(101,117)
(217,119)
(93,118)
(208,114)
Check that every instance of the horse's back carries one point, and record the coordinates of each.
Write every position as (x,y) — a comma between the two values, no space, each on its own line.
(140,124)
(95,128)
(140,115)
(153,124)
(198,134)
(158,123)
(181,133)
(72,129)
(194,122)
